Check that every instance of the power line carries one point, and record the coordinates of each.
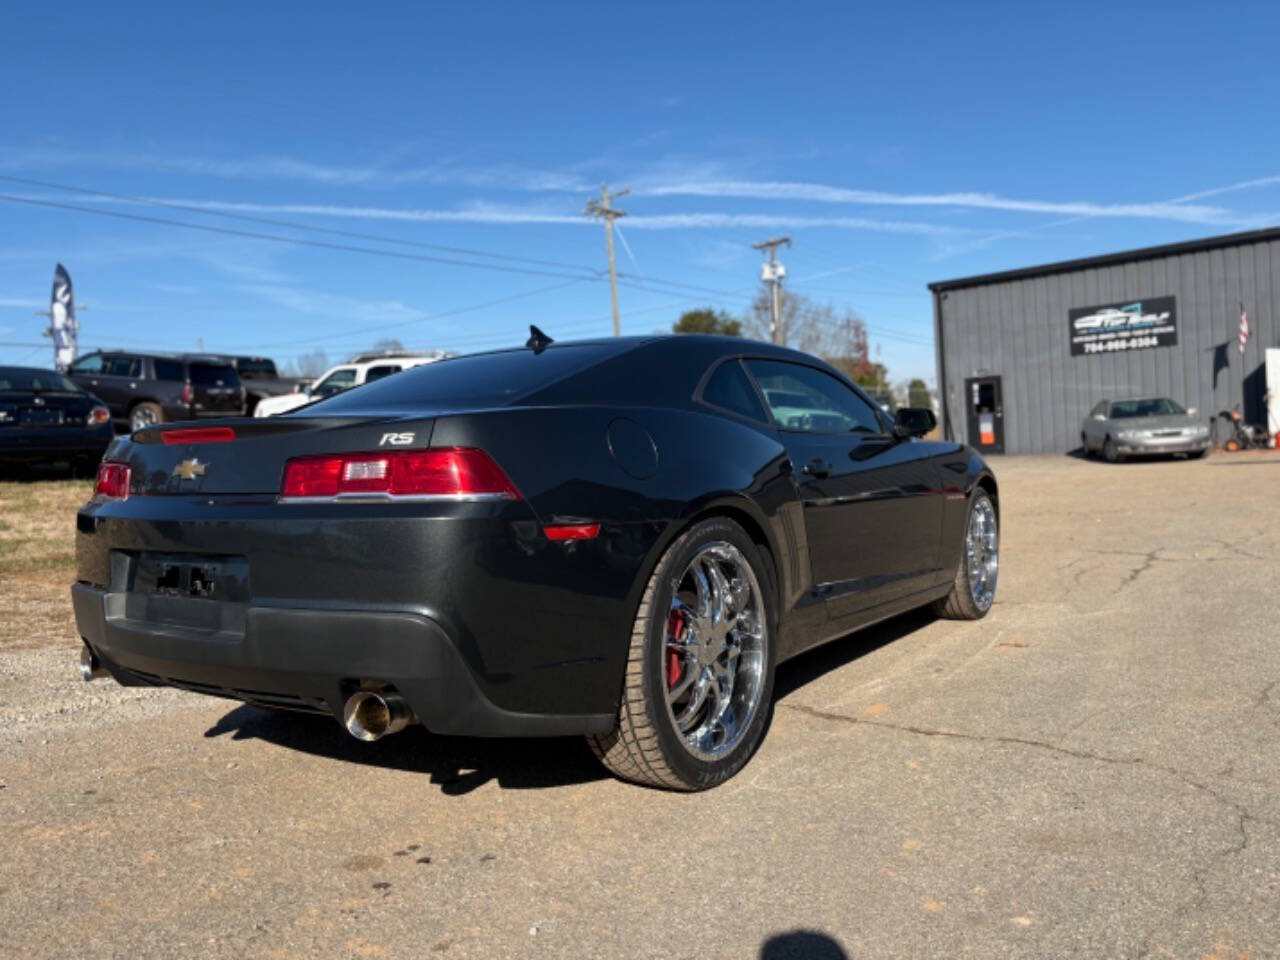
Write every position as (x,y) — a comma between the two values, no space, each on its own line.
(298,241)
(291,224)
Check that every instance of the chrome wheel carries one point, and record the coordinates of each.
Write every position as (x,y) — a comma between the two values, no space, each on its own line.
(982,553)
(142,416)
(714,654)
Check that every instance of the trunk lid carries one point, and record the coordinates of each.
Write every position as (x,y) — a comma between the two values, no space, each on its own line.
(251,460)
(44,409)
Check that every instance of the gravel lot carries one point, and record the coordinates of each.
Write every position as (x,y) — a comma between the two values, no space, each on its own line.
(1091,771)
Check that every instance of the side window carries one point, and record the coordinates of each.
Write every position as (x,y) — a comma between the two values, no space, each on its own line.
(1099,410)
(336,382)
(169,370)
(377,373)
(123,366)
(90,364)
(810,400)
(729,389)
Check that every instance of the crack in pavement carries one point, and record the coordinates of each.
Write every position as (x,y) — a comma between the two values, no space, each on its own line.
(1198,872)
(1181,775)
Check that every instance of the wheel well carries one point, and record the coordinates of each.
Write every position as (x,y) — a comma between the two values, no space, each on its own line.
(748,523)
(989,485)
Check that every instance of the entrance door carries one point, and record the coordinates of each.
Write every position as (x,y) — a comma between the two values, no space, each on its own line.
(984,409)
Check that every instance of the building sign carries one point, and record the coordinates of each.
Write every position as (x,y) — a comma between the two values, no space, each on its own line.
(1117,327)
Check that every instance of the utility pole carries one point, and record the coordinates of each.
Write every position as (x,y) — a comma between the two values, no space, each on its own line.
(603,209)
(772,272)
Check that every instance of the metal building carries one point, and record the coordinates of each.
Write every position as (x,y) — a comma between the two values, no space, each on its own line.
(1024,355)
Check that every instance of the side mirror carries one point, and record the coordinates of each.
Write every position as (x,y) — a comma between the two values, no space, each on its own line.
(1191,411)
(913,422)
(1099,416)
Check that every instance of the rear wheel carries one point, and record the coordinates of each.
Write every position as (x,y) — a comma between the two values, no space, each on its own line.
(1084,445)
(974,588)
(145,414)
(699,680)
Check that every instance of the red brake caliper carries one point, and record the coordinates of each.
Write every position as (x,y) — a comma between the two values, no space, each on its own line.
(675,630)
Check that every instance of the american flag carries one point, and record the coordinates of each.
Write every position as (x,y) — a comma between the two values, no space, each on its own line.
(1244,329)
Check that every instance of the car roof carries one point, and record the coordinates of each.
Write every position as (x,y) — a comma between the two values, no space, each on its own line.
(45,370)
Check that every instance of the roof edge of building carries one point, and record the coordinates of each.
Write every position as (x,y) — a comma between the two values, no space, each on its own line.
(1108,259)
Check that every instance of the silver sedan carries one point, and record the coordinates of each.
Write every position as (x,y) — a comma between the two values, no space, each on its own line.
(1143,426)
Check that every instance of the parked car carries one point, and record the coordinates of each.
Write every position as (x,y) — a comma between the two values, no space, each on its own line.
(260,379)
(365,368)
(616,538)
(1142,427)
(142,389)
(46,418)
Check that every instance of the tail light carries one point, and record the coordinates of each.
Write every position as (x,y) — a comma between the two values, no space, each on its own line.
(453,473)
(563,532)
(98,415)
(198,435)
(188,394)
(113,481)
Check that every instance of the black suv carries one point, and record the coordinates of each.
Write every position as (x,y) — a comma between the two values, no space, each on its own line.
(141,389)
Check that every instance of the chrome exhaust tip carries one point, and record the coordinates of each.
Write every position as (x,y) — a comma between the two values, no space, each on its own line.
(370,715)
(90,667)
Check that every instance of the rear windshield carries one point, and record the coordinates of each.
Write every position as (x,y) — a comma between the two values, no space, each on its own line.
(1160,407)
(213,375)
(256,367)
(35,381)
(482,379)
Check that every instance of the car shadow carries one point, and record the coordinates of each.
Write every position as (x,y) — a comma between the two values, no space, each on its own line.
(809,666)
(459,765)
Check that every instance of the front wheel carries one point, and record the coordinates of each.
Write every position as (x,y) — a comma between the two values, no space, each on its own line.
(974,588)
(1111,452)
(699,680)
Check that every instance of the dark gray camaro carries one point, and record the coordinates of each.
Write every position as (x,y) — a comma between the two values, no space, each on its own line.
(1143,426)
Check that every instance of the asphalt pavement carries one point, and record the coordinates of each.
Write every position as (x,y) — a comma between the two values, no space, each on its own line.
(1091,771)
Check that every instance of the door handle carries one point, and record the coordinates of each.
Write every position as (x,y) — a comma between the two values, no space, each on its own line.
(818,468)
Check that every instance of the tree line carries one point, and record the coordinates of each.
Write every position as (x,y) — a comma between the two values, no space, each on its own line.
(837,336)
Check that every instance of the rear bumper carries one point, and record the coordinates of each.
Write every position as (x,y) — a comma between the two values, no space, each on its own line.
(22,445)
(311,659)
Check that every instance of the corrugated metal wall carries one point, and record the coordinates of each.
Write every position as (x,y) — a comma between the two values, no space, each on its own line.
(1018,330)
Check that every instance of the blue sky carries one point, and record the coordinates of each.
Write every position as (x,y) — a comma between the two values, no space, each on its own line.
(896,143)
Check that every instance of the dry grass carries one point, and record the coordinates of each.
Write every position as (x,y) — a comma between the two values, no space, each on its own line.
(37,561)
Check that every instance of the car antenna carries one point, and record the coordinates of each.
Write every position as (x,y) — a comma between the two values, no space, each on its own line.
(538,341)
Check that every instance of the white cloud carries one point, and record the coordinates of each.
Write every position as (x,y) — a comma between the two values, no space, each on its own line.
(283,168)
(483,213)
(824,193)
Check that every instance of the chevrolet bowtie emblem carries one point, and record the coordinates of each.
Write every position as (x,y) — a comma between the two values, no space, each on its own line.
(189,469)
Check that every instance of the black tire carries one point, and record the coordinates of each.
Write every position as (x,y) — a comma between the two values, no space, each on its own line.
(646,747)
(1110,453)
(960,604)
(145,414)
(1084,446)
(1197,454)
